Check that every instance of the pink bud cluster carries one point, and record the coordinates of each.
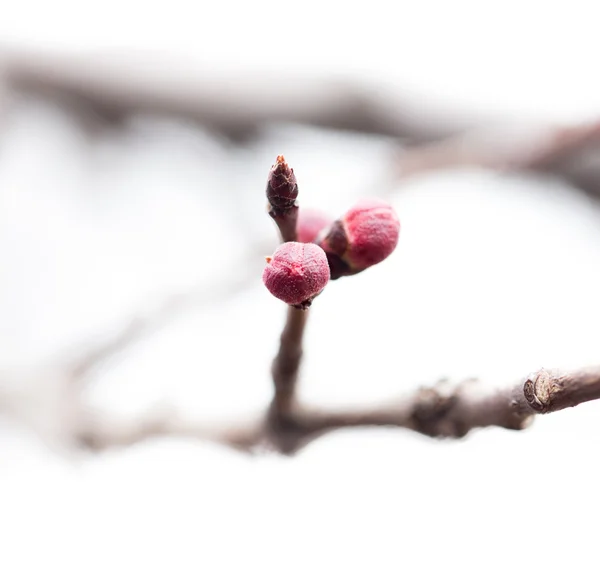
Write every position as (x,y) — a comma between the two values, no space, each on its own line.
(318,249)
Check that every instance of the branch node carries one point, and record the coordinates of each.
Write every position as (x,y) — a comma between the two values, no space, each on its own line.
(539,391)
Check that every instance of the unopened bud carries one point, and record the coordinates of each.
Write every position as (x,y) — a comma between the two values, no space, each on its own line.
(282,187)
(311,223)
(296,273)
(363,237)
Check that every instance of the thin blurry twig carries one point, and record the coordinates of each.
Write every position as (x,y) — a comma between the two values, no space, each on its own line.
(571,153)
(98,433)
(114,90)
(117,88)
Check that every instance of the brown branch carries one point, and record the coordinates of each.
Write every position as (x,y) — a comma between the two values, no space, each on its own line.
(571,153)
(549,391)
(282,191)
(287,362)
(286,223)
(443,410)
(453,411)
(116,87)
(280,428)
(100,433)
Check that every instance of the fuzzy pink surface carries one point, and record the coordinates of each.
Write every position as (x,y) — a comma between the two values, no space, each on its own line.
(372,228)
(296,272)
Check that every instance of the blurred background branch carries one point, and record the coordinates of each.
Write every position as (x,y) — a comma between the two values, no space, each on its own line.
(234,105)
(110,90)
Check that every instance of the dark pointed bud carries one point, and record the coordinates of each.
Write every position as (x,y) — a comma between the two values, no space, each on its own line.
(296,273)
(282,187)
(363,237)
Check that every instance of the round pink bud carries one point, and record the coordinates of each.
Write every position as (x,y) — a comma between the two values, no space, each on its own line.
(310,224)
(364,236)
(372,228)
(296,273)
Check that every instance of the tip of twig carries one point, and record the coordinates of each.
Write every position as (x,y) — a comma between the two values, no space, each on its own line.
(280,159)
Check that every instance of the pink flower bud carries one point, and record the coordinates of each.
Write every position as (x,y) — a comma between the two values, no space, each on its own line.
(282,187)
(311,223)
(364,236)
(372,227)
(296,273)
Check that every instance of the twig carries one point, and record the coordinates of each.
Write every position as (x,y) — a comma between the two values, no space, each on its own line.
(286,223)
(452,411)
(571,153)
(443,410)
(114,90)
(98,434)
(282,191)
(280,427)
(549,391)
(117,87)
(287,362)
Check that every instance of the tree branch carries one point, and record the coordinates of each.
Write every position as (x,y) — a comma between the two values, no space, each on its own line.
(453,411)
(571,153)
(442,410)
(280,427)
(549,391)
(100,433)
(117,87)
(287,362)
(114,90)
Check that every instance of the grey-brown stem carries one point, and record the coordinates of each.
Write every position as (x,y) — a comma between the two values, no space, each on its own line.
(571,153)
(114,90)
(286,222)
(547,391)
(447,410)
(279,425)
(286,364)
(442,410)
(118,86)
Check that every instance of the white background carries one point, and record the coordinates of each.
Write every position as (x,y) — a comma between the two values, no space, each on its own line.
(493,277)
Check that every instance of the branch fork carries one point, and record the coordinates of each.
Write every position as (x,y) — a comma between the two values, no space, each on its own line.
(444,410)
